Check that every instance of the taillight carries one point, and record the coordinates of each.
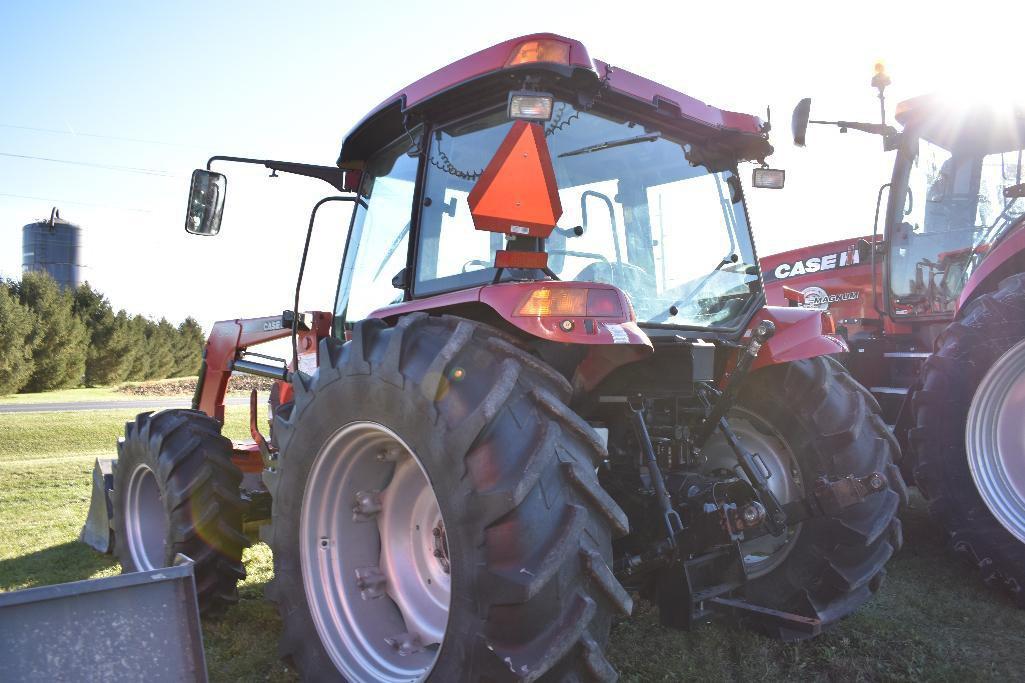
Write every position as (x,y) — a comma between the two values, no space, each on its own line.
(537,51)
(603,303)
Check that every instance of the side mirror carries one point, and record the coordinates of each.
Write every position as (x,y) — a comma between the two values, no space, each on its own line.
(206,202)
(799,123)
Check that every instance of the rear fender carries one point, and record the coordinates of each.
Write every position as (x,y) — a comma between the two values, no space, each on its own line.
(612,340)
(800,333)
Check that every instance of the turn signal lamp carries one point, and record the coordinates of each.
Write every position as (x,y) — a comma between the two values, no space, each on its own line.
(538,51)
(567,301)
(532,106)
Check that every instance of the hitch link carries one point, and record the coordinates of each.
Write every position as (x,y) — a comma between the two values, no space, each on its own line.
(674,524)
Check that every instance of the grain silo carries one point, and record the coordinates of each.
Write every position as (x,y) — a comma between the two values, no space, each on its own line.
(53,246)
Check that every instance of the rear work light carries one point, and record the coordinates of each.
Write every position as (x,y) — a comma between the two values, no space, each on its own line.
(769,178)
(571,301)
(532,106)
(538,51)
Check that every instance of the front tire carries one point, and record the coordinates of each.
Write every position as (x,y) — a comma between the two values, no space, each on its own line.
(973,365)
(525,530)
(177,491)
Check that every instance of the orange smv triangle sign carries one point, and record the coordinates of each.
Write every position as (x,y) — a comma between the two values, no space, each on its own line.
(517,193)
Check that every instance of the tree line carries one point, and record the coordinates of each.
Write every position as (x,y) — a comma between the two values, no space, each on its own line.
(54,339)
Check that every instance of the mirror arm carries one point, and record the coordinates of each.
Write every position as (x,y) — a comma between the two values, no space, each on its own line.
(329,174)
(873,128)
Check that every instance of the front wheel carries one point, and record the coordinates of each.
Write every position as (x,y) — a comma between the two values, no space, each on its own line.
(437,514)
(177,491)
(809,419)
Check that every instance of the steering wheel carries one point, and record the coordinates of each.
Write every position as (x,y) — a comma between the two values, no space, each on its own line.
(475,262)
(633,280)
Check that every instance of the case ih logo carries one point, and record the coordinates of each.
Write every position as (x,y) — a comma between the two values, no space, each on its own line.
(816,297)
(842,259)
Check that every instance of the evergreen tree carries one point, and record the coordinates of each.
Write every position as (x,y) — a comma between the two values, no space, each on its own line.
(188,351)
(17,340)
(61,339)
(161,338)
(140,363)
(109,358)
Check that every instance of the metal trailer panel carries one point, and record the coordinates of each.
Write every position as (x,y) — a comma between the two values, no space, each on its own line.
(142,626)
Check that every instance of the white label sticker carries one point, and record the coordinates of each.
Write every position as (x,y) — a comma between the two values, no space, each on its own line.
(519,230)
(619,335)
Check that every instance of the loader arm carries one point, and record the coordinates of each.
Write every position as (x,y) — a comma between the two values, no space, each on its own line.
(230,339)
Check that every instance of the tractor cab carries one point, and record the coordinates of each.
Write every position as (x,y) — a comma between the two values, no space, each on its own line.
(550,168)
(957,190)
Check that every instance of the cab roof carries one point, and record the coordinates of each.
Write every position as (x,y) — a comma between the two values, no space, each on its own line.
(553,53)
(959,123)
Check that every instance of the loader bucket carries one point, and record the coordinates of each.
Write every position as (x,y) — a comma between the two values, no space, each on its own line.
(142,626)
(97,531)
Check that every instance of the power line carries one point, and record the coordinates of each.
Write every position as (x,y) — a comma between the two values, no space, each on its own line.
(108,167)
(97,135)
(69,201)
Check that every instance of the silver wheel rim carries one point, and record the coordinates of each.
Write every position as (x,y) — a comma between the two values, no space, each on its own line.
(374,556)
(765,553)
(995,440)
(146,520)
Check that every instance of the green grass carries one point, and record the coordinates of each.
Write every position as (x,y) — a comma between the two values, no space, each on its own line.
(932,620)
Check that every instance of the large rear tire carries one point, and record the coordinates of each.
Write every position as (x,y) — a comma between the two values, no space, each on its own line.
(830,426)
(440,434)
(974,363)
(177,491)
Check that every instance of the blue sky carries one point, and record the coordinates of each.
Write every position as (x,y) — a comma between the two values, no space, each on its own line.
(160,87)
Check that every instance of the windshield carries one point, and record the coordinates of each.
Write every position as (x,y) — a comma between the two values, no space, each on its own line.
(952,211)
(671,233)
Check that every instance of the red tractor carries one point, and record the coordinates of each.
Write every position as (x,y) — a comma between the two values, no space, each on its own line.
(550,379)
(934,313)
